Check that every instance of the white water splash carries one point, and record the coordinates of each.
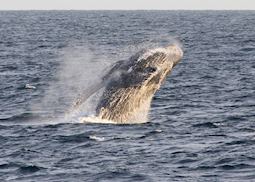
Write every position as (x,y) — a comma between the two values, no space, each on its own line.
(97,138)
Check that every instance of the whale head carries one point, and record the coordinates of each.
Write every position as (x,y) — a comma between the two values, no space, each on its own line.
(150,67)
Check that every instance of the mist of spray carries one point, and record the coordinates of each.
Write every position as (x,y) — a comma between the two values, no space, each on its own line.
(80,69)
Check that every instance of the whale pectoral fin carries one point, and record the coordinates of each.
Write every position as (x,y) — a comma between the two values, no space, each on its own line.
(97,86)
(115,67)
(87,94)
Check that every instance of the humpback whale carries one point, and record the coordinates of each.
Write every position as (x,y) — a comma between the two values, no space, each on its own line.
(130,85)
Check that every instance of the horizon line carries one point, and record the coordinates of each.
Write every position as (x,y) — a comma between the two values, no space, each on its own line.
(127,9)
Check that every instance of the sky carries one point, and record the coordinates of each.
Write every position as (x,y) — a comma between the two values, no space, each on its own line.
(126,4)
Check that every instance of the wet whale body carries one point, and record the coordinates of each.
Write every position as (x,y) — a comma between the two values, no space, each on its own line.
(130,85)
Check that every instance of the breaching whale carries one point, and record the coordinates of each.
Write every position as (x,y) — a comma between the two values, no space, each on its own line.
(130,85)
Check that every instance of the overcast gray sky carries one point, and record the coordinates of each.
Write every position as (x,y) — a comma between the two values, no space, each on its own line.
(125,4)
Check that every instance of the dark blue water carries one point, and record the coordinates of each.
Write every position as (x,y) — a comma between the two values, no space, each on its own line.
(202,120)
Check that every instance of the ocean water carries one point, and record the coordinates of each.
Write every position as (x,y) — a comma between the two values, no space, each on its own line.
(202,120)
